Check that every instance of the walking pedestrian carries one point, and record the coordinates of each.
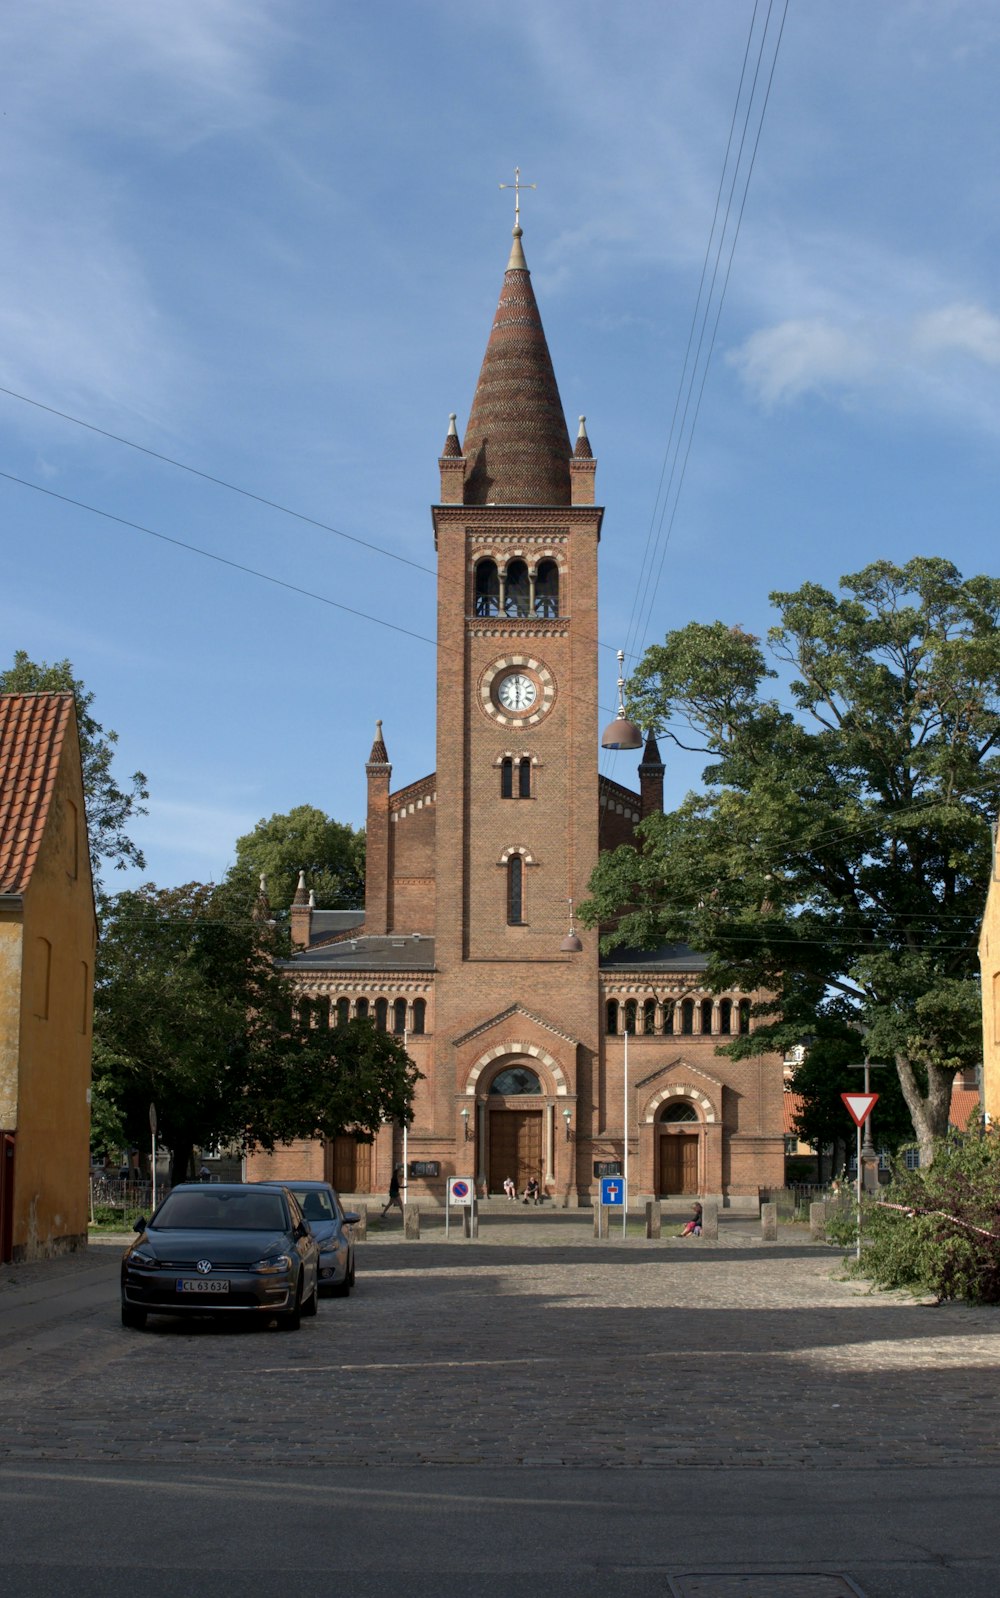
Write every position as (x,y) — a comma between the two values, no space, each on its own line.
(394,1198)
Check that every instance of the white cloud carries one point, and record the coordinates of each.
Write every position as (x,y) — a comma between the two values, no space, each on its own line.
(788,360)
(970,329)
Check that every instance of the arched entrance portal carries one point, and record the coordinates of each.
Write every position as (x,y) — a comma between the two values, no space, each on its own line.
(514,1128)
(679,1146)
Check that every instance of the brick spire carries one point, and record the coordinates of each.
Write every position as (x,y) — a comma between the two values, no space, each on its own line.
(651,771)
(516,444)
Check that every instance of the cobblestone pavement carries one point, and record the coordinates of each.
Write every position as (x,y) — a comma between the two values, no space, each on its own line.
(535,1345)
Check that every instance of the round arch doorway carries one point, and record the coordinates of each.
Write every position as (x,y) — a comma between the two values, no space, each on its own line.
(515,1128)
(679,1148)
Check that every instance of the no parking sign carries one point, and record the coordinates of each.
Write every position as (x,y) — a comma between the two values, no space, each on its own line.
(461,1190)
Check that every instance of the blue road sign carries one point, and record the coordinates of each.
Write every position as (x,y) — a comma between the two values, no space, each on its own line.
(612,1190)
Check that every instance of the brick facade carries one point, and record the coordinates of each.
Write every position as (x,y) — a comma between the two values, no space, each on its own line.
(471,869)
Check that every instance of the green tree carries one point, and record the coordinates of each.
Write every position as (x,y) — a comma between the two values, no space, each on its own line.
(825,1073)
(331,853)
(840,852)
(193,1014)
(111,806)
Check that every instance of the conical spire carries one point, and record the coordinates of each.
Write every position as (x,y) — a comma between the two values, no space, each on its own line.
(452,443)
(301,895)
(379,755)
(516,442)
(651,753)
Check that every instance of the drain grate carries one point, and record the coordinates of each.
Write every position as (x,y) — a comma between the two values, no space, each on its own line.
(764,1584)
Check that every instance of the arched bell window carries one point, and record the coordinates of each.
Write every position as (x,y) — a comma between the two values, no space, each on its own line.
(726,1016)
(649,1017)
(687,1017)
(419,1014)
(744,1015)
(382,1014)
(668,1018)
(630,1017)
(343,1011)
(399,1016)
(507,778)
(611,1018)
(706,1016)
(517,589)
(361,1009)
(487,596)
(547,589)
(524,779)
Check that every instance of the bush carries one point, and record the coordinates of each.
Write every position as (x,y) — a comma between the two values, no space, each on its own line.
(931,1242)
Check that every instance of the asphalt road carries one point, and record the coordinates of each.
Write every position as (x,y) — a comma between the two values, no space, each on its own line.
(536,1413)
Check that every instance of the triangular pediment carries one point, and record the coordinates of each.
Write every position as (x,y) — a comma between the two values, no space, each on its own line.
(503,1017)
(679,1060)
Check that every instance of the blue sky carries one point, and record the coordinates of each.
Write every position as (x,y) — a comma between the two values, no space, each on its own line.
(266,239)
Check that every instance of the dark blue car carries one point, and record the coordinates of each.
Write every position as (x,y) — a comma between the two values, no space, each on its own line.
(330,1225)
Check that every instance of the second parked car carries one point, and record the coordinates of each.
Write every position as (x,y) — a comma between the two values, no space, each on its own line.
(330,1224)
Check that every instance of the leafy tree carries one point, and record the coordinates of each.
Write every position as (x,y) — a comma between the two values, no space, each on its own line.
(331,853)
(192,1014)
(839,855)
(110,807)
(827,1072)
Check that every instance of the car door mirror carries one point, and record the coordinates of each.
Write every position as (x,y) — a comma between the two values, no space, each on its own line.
(140,1225)
(350,1218)
(303,1229)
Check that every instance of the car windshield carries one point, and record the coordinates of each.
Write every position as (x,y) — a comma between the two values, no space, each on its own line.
(315,1204)
(221,1211)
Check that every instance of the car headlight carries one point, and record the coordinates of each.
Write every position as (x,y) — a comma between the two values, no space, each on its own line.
(273,1266)
(141,1256)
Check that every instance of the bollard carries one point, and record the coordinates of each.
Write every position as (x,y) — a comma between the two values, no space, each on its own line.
(710,1221)
(600,1221)
(652,1218)
(817,1221)
(361,1224)
(411,1221)
(769,1223)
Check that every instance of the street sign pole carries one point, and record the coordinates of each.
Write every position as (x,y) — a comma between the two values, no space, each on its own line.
(859,1107)
(152,1128)
(625,1142)
(406,1165)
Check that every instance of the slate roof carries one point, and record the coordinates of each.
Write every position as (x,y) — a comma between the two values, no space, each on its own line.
(32,733)
(516,442)
(668,957)
(366,954)
(334,923)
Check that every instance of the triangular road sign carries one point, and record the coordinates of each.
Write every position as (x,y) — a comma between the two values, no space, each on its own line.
(860,1106)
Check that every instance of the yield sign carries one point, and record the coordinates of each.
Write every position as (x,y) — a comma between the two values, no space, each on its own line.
(860,1106)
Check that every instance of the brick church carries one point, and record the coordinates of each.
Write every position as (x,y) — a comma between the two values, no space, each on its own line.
(466,944)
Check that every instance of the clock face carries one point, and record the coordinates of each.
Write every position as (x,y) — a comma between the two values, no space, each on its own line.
(517,691)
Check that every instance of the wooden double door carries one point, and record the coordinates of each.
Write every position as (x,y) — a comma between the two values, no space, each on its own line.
(515,1138)
(349,1165)
(679,1163)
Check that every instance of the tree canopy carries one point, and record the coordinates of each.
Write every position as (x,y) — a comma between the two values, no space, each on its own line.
(192,1014)
(110,805)
(331,853)
(839,854)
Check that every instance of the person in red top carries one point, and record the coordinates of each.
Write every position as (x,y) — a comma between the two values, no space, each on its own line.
(693,1227)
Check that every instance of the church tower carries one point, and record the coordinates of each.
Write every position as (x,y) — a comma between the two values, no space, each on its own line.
(516,532)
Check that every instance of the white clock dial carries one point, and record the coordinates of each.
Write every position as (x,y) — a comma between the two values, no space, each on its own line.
(517,691)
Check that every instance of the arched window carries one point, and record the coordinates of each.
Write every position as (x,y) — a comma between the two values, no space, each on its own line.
(515,891)
(419,1014)
(547,589)
(516,603)
(507,778)
(343,1011)
(726,1016)
(381,1014)
(611,1018)
(361,1010)
(649,1017)
(524,779)
(516,1079)
(744,1015)
(631,1010)
(706,1015)
(687,1017)
(668,1018)
(399,1016)
(680,1110)
(487,601)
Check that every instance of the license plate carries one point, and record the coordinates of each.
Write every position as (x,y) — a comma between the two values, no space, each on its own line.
(187,1284)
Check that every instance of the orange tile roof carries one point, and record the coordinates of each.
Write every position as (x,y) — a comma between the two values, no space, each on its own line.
(32,732)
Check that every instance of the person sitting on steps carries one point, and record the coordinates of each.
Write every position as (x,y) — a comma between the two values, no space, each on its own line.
(509,1188)
(533,1191)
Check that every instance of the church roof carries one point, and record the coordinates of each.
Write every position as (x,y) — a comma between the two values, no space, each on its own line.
(32,732)
(516,442)
(668,957)
(413,953)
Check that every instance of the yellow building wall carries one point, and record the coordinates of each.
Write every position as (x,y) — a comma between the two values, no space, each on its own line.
(989,960)
(58,941)
(10,1015)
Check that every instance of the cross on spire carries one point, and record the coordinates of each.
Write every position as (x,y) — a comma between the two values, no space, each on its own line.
(517,186)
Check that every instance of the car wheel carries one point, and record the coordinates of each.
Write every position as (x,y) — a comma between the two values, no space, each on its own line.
(311,1304)
(351,1272)
(135,1319)
(291,1319)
